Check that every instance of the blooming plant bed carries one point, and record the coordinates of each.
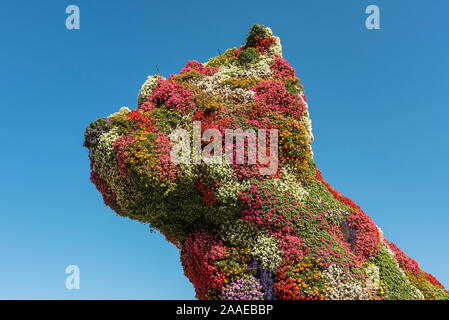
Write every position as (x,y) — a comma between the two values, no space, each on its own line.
(243,235)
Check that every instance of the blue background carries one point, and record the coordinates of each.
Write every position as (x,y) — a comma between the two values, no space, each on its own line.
(378,102)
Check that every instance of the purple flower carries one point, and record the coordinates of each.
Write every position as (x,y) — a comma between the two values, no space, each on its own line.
(246,288)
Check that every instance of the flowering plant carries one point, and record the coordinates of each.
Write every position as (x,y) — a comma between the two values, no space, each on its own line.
(243,235)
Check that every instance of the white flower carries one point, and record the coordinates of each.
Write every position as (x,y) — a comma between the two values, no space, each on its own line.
(147,88)
(305,119)
(275,49)
(341,288)
(104,163)
(263,247)
(266,251)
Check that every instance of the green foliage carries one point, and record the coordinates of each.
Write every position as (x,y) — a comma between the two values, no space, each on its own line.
(395,281)
(257,30)
(166,119)
(292,85)
(248,56)
(321,200)
(187,77)
(177,213)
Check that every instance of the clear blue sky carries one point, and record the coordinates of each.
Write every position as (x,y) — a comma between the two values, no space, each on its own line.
(378,101)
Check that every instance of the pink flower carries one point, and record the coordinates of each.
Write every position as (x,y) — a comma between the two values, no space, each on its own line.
(198,67)
(275,96)
(172,95)
(281,68)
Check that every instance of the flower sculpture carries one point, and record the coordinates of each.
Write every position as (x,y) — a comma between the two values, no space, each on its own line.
(244,233)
